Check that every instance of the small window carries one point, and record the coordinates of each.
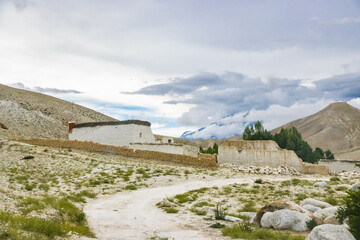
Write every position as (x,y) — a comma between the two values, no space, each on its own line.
(239,150)
(169,141)
(140,134)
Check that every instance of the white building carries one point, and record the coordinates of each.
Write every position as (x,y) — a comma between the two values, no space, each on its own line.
(134,134)
(117,133)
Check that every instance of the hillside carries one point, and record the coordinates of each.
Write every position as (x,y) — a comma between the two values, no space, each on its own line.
(336,127)
(205,143)
(35,115)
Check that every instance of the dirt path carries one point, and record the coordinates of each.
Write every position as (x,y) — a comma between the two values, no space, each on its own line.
(134,215)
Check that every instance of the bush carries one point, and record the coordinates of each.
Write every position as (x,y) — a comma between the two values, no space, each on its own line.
(311,224)
(334,179)
(220,213)
(259,181)
(217,225)
(171,210)
(351,210)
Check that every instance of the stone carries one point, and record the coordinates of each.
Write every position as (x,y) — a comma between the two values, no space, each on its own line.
(279,205)
(285,219)
(311,208)
(251,215)
(232,219)
(266,220)
(355,187)
(321,184)
(344,185)
(330,232)
(326,212)
(314,202)
(331,220)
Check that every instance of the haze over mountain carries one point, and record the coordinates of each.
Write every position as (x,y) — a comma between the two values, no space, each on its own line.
(34,115)
(336,127)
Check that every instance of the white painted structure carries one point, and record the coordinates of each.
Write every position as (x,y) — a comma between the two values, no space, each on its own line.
(120,133)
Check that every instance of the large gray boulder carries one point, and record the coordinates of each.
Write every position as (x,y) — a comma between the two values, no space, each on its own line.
(286,220)
(314,202)
(330,232)
(311,208)
(326,212)
(355,187)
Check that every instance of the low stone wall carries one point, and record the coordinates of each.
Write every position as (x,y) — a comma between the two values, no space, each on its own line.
(309,168)
(126,152)
(187,150)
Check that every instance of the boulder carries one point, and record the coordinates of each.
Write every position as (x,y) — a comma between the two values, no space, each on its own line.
(279,205)
(321,184)
(355,187)
(311,208)
(285,219)
(314,202)
(326,212)
(331,220)
(330,232)
(266,220)
(344,185)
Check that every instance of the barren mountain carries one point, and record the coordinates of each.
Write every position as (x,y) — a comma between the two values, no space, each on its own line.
(35,115)
(336,127)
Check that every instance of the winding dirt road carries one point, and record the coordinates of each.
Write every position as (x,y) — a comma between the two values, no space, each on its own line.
(134,215)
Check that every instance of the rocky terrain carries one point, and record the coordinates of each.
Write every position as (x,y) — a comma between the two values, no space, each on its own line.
(336,127)
(35,115)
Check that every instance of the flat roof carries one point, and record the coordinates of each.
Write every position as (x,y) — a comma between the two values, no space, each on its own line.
(127,122)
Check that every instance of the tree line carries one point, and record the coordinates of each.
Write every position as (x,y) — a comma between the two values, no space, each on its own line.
(289,139)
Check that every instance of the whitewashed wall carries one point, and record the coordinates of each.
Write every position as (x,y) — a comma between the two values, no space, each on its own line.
(117,135)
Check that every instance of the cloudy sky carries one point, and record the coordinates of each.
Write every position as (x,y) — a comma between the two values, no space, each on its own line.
(186,64)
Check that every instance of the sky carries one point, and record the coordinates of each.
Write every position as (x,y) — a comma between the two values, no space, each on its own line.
(184,65)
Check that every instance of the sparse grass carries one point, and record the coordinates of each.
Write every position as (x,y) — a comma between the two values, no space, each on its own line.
(131,187)
(217,225)
(238,231)
(219,212)
(331,200)
(171,210)
(259,181)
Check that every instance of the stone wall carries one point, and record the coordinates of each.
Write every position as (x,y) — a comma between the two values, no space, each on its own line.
(199,161)
(264,153)
(187,150)
(117,135)
(257,153)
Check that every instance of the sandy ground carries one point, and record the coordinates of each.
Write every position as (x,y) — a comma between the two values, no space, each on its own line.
(134,215)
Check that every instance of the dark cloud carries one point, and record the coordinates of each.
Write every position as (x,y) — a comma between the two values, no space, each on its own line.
(45,90)
(216,96)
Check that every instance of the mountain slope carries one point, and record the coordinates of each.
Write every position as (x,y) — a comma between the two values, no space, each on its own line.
(35,115)
(336,127)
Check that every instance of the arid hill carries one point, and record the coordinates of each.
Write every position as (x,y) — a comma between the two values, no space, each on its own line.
(205,143)
(336,127)
(35,115)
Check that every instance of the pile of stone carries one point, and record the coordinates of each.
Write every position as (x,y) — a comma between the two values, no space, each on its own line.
(287,215)
(349,175)
(281,170)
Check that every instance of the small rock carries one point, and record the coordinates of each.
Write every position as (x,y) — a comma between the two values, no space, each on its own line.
(314,202)
(232,219)
(311,208)
(330,232)
(355,187)
(321,184)
(326,212)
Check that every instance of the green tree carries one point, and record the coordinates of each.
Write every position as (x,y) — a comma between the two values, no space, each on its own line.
(351,210)
(319,153)
(257,133)
(215,148)
(329,154)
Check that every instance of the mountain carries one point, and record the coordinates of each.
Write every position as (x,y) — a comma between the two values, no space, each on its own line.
(336,127)
(34,115)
